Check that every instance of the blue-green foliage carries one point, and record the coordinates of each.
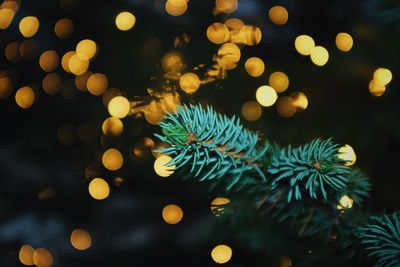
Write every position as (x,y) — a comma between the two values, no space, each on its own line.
(212,146)
(358,186)
(313,169)
(381,239)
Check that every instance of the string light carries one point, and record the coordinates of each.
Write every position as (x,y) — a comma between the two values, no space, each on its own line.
(344,41)
(229,54)
(5,86)
(319,56)
(304,44)
(300,100)
(99,189)
(375,89)
(221,254)
(6,17)
(285,107)
(86,49)
(172,214)
(42,258)
(125,21)
(77,65)
(226,6)
(51,83)
(266,96)
(176,7)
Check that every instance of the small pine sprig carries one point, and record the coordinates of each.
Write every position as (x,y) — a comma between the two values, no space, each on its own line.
(212,146)
(358,186)
(381,239)
(313,169)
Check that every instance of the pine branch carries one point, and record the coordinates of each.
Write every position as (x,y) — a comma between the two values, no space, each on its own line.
(212,146)
(381,239)
(358,186)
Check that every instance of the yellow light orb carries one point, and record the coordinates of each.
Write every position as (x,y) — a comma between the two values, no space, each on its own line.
(347,154)
(99,189)
(65,59)
(344,41)
(251,110)
(97,84)
(78,65)
(25,97)
(110,94)
(189,82)
(161,169)
(304,44)
(5,86)
(12,52)
(26,255)
(248,35)
(319,56)
(42,258)
(64,28)
(229,55)
(80,239)
(226,6)
(172,61)
(254,66)
(279,81)
(125,21)
(28,26)
(6,17)
(86,49)
(112,159)
(217,205)
(112,127)
(51,83)
(81,80)
(176,7)
(299,100)
(266,96)
(375,89)
(382,76)
(218,33)
(234,24)
(278,15)
(48,61)
(221,254)
(345,202)
(119,107)
(172,214)
(285,107)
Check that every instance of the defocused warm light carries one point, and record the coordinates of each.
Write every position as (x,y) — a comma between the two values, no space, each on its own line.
(26,255)
(218,33)
(254,66)
(64,28)
(154,112)
(344,41)
(285,261)
(172,214)
(226,6)
(229,54)
(78,65)
(12,52)
(161,169)
(29,48)
(217,205)
(6,17)
(112,126)
(251,110)
(299,100)
(376,89)
(65,59)
(234,24)
(119,107)
(97,83)
(28,26)
(25,97)
(189,82)
(48,61)
(109,94)
(345,202)
(80,239)
(266,96)
(279,81)
(319,56)
(118,181)
(278,15)
(99,189)
(347,154)
(125,21)
(81,80)
(221,254)
(248,35)
(304,44)
(112,159)
(42,258)
(51,83)
(66,135)
(176,7)
(158,145)
(172,61)
(86,49)
(285,107)
(5,86)
(382,76)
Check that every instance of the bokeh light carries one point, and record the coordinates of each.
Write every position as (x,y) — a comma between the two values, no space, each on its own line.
(172,61)
(119,107)
(97,84)
(254,66)
(279,81)
(64,28)
(112,159)
(86,49)
(12,52)
(161,169)
(5,86)
(248,35)
(304,44)
(48,61)
(278,15)
(6,17)
(221,254)
(345,202)
(176,7)
(26,255)
(28,26)
(218,33)
(29,49)
(51,83)
(77,65)
(112,127)
(80,239)
(217,205)
(285,107)
(266,96)
(172,214)
(125,21)
(189,82)
(300,100)
(382,76)
(376,89)
(347,154)
(226,6)
(251,110)
(229,54)
(99,189)
(42,258)
(65,60)
(319,56)
(25,96)
(344,41)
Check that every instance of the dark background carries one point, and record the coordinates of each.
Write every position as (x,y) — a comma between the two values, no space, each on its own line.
(127,228)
